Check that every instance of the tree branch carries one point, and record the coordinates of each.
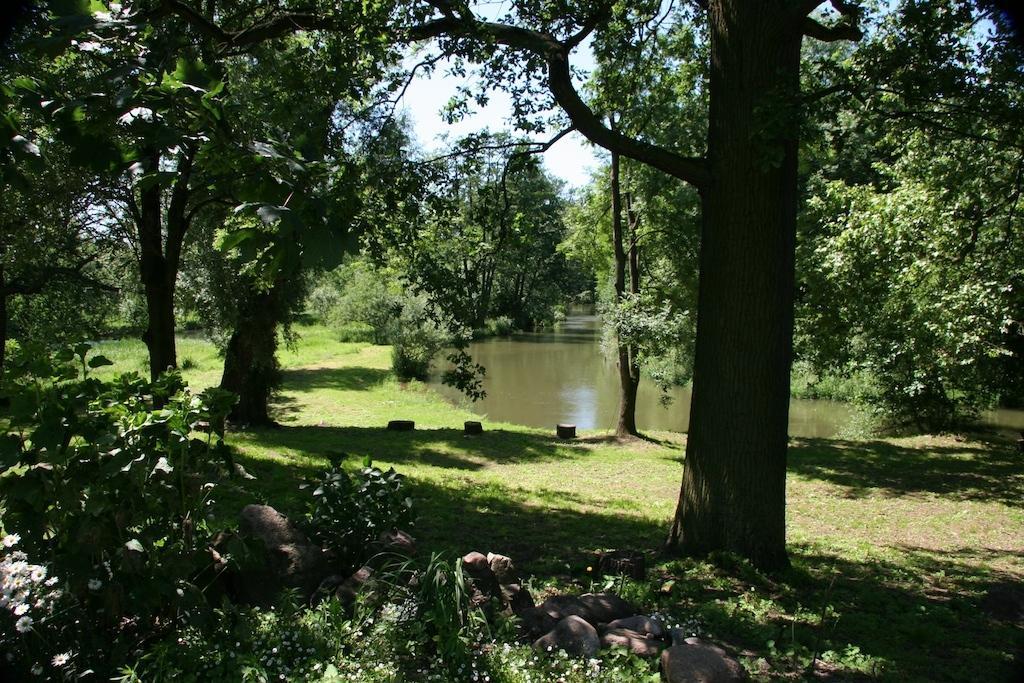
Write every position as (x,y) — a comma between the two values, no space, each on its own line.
(556,55)
(847,28)
(462,24)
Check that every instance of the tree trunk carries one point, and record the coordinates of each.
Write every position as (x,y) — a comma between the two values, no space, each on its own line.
(733,493)
(158,285)
(250,364)
(629,380)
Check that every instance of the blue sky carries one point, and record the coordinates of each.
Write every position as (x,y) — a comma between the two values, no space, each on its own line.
(572,159)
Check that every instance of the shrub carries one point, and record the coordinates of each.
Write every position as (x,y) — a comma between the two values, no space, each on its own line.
(502,326)
(347,512)
(106,486)
(416,340)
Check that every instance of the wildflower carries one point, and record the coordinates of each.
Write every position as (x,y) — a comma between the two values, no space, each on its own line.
(24,625)
(51,581)
(95,584)
(38,574)
(11,540)
(20,609)
(61,659)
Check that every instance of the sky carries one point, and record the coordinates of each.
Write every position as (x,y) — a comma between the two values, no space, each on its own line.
(572,158)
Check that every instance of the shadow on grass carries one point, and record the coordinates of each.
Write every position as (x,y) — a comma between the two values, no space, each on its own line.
(905,615)
(346,379)
(448,448)
(991,472)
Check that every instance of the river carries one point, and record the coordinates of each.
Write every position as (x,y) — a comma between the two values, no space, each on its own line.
(540,379)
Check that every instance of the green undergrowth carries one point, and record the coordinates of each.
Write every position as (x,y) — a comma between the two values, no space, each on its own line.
(893,542)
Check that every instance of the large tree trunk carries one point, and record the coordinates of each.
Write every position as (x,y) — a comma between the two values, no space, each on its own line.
(733,494)
(629,376)
(250,364)
(158,285)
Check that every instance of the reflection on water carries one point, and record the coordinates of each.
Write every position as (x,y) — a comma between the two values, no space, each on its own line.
(540,379)
(543,378)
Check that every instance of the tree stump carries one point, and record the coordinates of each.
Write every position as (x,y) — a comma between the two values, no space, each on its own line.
(566,431)
(473,428)
(631,563)
(401,425)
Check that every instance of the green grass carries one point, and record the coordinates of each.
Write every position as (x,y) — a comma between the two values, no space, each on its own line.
(894,542)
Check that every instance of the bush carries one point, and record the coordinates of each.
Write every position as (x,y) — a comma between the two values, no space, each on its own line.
(416,339)
(104,484)
(348,512)
(502,326)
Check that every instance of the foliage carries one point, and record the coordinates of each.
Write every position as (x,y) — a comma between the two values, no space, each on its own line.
(107,484)
(662,337)
(348,512)
(416,339)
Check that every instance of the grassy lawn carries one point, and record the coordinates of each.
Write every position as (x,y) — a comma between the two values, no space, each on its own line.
(894,542)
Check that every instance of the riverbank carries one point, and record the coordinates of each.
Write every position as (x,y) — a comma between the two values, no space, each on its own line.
(894,542)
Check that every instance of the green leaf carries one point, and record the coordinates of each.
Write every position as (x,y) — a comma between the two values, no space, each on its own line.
(99,361)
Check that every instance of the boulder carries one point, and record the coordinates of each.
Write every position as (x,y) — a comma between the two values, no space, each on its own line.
(535,621)
(270,526)
(572,634)
(353,585)
(503,568)
(476,565)
(517,598)
(641,624)
(696,661)
(559,607)
(635,642)
(291,560)
(398,542)
(603,608)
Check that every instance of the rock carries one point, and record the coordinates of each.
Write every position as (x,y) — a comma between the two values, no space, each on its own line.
(695,661)
(503,568)
(559,607)
(291,560)
(270,526)
(631,563)
(517,598)
(353,585)
(476,565)
(535,621)
(1005,601)
(572,634)
(641,624)
(635,642)
(398,542)
(605,607)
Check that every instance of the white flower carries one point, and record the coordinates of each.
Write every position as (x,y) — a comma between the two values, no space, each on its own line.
(11,540)
(61,659)
(24,625)
(95,584)
(38,574)
(20,609)
(52,581)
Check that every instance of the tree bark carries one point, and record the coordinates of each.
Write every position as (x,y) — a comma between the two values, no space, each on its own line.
(733,494)
(629,376)
(250,365)
(158,285)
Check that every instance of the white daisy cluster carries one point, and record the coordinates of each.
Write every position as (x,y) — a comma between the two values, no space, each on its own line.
(25,590)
